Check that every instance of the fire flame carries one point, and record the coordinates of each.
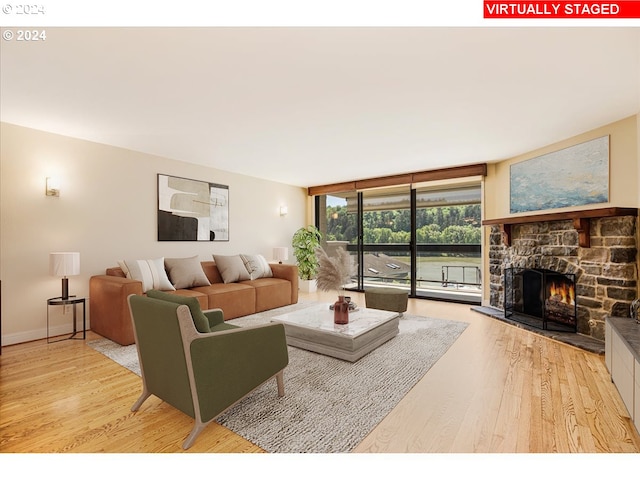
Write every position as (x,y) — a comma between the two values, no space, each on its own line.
(563,292)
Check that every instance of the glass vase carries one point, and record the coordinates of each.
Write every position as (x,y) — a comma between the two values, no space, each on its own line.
(341,311)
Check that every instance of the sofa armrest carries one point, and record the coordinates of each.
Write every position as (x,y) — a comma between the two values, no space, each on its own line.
(287,272)
(109,309)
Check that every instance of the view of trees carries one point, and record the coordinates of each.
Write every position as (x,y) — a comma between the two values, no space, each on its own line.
(452,224)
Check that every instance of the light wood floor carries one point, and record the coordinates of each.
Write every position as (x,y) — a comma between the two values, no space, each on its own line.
(498,389)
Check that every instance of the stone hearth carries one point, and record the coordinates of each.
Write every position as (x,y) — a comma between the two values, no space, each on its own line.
(606,270)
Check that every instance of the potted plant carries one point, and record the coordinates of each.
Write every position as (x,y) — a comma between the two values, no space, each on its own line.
(305,241)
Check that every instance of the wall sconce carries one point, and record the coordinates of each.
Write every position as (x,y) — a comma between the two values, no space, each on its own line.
(280,254)
(283,211)
(53,187)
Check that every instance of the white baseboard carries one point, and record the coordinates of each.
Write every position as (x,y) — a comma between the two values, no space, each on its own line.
(39,334)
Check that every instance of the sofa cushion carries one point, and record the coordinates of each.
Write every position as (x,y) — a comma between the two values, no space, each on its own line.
(186,272)
(234,299)
(211,271)
(257,266)
(187,292)
(200,321)
(231,268)
(150,272)
(270,293)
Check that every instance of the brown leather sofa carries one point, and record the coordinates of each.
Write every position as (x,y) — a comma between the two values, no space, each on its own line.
(110,311)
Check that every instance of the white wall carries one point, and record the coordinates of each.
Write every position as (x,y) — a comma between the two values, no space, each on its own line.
(107,211)
(623,170)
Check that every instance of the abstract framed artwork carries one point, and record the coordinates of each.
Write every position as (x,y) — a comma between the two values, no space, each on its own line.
(192,210)
(571,177)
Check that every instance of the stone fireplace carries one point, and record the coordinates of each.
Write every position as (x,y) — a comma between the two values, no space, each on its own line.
(541,298)
(596,247)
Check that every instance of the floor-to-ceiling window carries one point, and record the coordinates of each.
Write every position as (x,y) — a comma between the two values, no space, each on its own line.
(386,242)
(426,240)
(448,238)
(337,218)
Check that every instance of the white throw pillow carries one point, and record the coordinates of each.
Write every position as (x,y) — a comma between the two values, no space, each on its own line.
(231,268)
(150,272)
(186,272)
(257,266)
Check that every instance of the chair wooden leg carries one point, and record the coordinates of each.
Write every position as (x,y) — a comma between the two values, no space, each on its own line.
(197,429)
(145,394)
(280,382)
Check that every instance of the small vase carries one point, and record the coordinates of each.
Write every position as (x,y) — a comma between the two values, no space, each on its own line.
(341,311)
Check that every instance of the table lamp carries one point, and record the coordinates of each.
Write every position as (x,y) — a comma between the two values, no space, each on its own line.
(280,254)
(64,264)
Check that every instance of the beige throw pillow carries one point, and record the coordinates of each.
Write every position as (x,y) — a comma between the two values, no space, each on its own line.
(231,268)
(150,272)
(186,272)
(257,266)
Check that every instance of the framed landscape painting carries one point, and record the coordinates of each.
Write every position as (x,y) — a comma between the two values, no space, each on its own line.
(574,176)
(192,210)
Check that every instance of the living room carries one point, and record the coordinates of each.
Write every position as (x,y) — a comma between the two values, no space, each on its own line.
(106,191)
(108,195)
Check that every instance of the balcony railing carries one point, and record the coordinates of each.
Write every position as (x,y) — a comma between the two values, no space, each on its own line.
(449,271)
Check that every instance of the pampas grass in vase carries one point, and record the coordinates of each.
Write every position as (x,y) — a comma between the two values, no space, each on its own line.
(333,273)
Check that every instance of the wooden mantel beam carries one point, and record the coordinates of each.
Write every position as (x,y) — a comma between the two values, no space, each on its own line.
(581,221)
(583,227)
(505,230)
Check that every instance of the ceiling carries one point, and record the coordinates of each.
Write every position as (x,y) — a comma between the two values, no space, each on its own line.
(318,105)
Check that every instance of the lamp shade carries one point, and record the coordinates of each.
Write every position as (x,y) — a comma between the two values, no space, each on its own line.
(280,254)
(64,264)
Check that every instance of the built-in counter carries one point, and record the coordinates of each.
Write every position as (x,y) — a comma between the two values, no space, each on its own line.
(622,357)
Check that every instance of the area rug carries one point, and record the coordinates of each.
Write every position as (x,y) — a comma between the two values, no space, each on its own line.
(329,405)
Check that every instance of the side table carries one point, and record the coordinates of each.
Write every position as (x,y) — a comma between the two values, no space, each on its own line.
(73,301)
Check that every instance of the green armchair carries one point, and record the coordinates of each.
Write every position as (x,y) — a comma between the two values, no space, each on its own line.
(201,374)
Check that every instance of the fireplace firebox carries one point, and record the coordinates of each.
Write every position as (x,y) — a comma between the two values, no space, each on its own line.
(541,298)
